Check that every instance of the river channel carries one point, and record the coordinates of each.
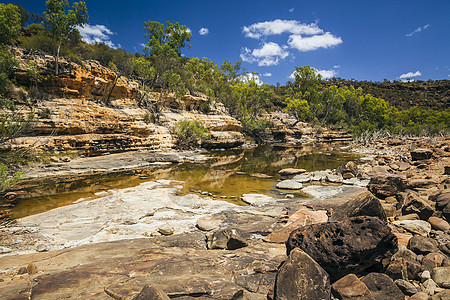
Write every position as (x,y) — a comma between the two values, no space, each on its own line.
(226,175)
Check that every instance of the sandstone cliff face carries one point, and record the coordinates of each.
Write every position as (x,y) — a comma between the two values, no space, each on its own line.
(91,110)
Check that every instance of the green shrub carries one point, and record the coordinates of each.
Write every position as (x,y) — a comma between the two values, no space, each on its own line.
(149,118)
(259,130)
(7,178)
(190,134)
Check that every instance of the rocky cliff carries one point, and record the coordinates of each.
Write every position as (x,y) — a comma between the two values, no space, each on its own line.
(91,110)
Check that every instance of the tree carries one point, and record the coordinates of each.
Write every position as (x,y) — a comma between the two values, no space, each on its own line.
(298,108)
(61,25)
(306,79)
(164,49)
(9,23)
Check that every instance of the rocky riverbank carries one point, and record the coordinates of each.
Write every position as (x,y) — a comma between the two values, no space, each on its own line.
(389,240)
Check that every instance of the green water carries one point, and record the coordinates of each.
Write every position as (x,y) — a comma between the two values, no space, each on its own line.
(227,174)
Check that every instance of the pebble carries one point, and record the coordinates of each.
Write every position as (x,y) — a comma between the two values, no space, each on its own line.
(415,226)
(441,275)
(166,229)
(439,224)
(425,275)
(207,224)
(406,287)
(41,248)
(5,250)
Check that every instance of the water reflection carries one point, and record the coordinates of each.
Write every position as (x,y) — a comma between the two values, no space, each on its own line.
(228,174)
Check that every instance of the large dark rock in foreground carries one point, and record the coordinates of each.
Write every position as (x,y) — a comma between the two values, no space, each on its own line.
(345,247)
(300,277)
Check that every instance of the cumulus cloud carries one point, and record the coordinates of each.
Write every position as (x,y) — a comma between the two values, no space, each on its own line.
(267,74)
(419,29)
(291,10)
(251,77)
(326,74)
(315,42)
(203,31)
(278,26)
(92,34)
(410,75)
(301,36)
(268,55)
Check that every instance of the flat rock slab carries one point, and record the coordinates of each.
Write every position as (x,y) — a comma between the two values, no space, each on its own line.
(289,185)
(136,212)
(121,269)
(291,171)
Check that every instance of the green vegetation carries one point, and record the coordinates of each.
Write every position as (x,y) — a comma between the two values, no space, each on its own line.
(359,107)
(12,121)
(347,107)
(60,25)
(190,134)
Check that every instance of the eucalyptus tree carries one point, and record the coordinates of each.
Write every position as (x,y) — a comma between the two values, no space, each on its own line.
(9,22)
(61,24)
(163,50)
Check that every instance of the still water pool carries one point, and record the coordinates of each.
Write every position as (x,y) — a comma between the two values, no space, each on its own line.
(229,174)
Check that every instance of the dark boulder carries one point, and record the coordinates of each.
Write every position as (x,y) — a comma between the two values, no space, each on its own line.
(422,245)
(383,185)
(421,154)
(229,238)
(382,287)
(365,204)
(442,200)
(345,247)
(418,205)
(300,277)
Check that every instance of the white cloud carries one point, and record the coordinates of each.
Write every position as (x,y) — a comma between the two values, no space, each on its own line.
(269,54)
(188,30)
(267,74)
(419,29)
(92,34)
(303,37)
(203,31)
(336,66)
(291,10)
(410,75)
(278,26)
(251,77)
(327,74)
(315,42)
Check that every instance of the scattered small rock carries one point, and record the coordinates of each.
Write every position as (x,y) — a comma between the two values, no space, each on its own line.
(406,287)
(422,245)
(166,229)
(291,171)
(441,276)
(382,287)
(414,226)
(350,287)
(439,224)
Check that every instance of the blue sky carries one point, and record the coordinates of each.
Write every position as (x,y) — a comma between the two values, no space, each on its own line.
(363,40)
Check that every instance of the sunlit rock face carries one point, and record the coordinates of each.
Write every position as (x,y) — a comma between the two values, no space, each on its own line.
(92,110)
